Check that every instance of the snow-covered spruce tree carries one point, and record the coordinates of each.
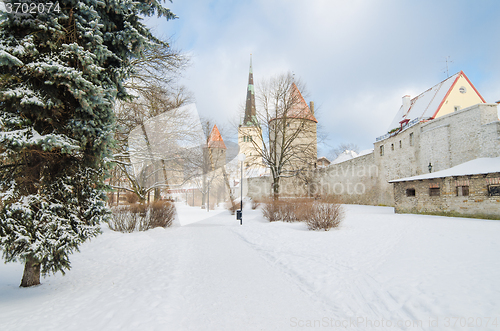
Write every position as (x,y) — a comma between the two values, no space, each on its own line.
(60,72)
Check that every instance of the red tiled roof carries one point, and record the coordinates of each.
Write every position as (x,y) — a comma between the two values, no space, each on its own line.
(300,109)
(215,139)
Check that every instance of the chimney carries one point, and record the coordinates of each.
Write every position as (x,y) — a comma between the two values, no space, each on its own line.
(406,102)
(311,106)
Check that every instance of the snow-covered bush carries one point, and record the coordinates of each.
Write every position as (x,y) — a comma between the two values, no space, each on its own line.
(325,216)
(142,217)
(132,198)
(255,203)
(161,214)
(317,215)
(232,206)
(287,210)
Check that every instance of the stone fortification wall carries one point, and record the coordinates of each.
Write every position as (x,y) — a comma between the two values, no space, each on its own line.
(459,137)
(396,157)
(257,188)
(352,181)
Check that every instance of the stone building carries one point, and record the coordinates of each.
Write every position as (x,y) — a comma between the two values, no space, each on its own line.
(469,189)
(447,125)
(323,162)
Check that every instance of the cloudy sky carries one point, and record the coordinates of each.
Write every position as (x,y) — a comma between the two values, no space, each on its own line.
(357,57)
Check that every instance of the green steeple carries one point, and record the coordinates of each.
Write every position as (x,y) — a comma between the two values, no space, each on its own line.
(250,115)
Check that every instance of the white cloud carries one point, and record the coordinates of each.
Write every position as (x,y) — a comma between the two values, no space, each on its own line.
(358,58)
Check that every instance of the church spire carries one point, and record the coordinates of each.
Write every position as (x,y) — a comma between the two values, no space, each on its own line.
(249,119)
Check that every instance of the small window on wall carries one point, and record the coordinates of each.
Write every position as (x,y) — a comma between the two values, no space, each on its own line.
(462,191)
(411,139)
(434,191)
(381,150)
(494,190)
(392,147)
(410,192)
(456,108)
(400,145)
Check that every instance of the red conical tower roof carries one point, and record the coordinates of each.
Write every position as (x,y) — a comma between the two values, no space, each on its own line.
(300,109)
(215,139)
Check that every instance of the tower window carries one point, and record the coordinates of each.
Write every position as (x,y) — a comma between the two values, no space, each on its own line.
(381,150)
(411,139)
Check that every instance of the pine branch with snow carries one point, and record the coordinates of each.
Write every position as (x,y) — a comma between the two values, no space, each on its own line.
(60,73)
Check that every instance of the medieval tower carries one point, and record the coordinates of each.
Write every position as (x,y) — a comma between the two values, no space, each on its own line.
(249,131)
(216,150)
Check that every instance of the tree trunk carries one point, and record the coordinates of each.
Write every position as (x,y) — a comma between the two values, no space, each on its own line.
(31,276)
(276,190)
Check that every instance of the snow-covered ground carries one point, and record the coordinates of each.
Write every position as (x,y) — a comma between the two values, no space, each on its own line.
(377,271)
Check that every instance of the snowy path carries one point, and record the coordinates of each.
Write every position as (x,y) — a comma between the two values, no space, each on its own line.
(217,275)
(230,286)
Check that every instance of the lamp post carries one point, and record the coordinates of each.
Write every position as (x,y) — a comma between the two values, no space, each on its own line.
(239,213)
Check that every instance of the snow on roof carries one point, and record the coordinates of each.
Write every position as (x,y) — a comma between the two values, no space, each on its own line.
(365,152)
(349,155)
(425,105)
(344,156)
(256,172)
(475,167)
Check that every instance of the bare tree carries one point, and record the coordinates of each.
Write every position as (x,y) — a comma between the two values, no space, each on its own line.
(160,65)
(211,167)
(154,85)
(288,145)
(160,152)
